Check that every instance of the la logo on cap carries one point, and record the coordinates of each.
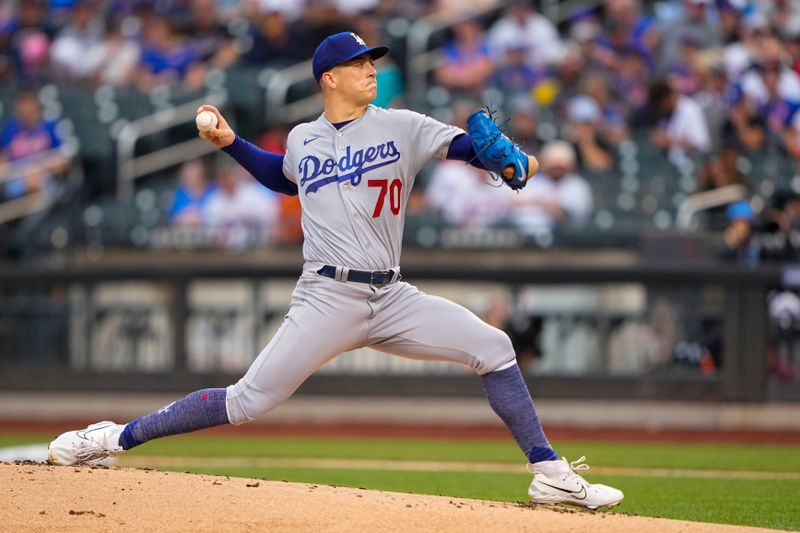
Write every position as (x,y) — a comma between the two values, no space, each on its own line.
(358,39)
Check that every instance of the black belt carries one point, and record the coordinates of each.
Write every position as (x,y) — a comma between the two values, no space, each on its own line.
(377,278)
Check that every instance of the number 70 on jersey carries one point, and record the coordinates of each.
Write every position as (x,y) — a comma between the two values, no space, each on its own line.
(393,190)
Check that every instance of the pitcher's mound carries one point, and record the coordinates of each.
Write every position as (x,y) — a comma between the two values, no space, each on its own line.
(38,497)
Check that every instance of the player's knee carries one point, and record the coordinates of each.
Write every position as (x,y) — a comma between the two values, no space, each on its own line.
(245,403)
(498,351)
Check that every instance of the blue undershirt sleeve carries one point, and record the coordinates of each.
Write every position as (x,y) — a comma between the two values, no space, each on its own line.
(264,166)
(461,150)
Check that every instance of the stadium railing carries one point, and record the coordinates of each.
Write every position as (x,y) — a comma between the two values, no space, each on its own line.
(279,109)
(40,199)
(130,166)
(706,200)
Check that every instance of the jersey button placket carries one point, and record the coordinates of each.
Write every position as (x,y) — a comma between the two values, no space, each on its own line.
(339,153)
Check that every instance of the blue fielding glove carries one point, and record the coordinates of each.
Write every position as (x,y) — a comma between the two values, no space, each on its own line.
(495,150)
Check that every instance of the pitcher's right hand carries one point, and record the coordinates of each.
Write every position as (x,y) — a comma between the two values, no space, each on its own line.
(220,135)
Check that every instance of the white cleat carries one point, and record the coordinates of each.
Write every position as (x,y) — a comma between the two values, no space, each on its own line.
(96,446)
(558,482)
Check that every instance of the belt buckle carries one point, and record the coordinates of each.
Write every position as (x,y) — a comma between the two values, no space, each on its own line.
(374,272)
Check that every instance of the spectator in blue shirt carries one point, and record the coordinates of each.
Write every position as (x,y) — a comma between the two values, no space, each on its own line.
(23,138)
(466,65)
(192,194)
(740,244)
(168,57)
(635,29)
(515,77)
(26,38)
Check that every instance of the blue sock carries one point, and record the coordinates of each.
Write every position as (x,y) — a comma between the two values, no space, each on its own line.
(509,397)
(201,409)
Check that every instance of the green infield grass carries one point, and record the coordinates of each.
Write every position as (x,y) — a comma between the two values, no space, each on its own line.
(747,484)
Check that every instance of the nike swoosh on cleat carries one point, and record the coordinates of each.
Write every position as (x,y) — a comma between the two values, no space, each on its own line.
(306,141)
(580,495)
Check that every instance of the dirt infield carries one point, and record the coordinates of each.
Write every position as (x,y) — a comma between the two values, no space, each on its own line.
(37,497)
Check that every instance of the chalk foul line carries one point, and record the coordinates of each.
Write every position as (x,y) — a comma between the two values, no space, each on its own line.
(426,466)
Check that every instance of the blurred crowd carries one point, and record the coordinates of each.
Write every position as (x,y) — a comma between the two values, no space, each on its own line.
(229,209)
(148,42)
(706,83)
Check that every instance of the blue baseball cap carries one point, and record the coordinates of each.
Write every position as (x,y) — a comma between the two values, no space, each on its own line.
(340,48)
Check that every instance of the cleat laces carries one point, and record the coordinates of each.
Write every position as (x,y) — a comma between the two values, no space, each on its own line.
(575,466)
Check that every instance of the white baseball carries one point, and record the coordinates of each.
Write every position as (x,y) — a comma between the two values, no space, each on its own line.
(205,120)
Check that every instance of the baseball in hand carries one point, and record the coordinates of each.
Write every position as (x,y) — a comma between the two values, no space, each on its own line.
(205,120)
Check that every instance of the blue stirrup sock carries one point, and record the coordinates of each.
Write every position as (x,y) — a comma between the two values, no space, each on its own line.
(201,409)
(505,389)
(509,398)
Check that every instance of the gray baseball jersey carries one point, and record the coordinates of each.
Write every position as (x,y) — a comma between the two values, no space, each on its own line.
(354,182)
(353,185)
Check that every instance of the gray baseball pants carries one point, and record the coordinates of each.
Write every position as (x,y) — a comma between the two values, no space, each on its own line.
(328,317)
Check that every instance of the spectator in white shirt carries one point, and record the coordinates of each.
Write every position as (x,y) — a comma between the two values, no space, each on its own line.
(465,196)
(772,54)
(783,15)
(114,60)
(746,43)
(291,11)
(522,27)
(557,196)
(84,32)
(240,213)
(682,128)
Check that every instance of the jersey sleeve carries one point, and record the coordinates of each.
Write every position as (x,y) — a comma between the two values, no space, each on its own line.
(461,149)
(289,165)
(429,138)
(264,166)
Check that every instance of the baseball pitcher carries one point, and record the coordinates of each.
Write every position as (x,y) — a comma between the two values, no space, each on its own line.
(353,169)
